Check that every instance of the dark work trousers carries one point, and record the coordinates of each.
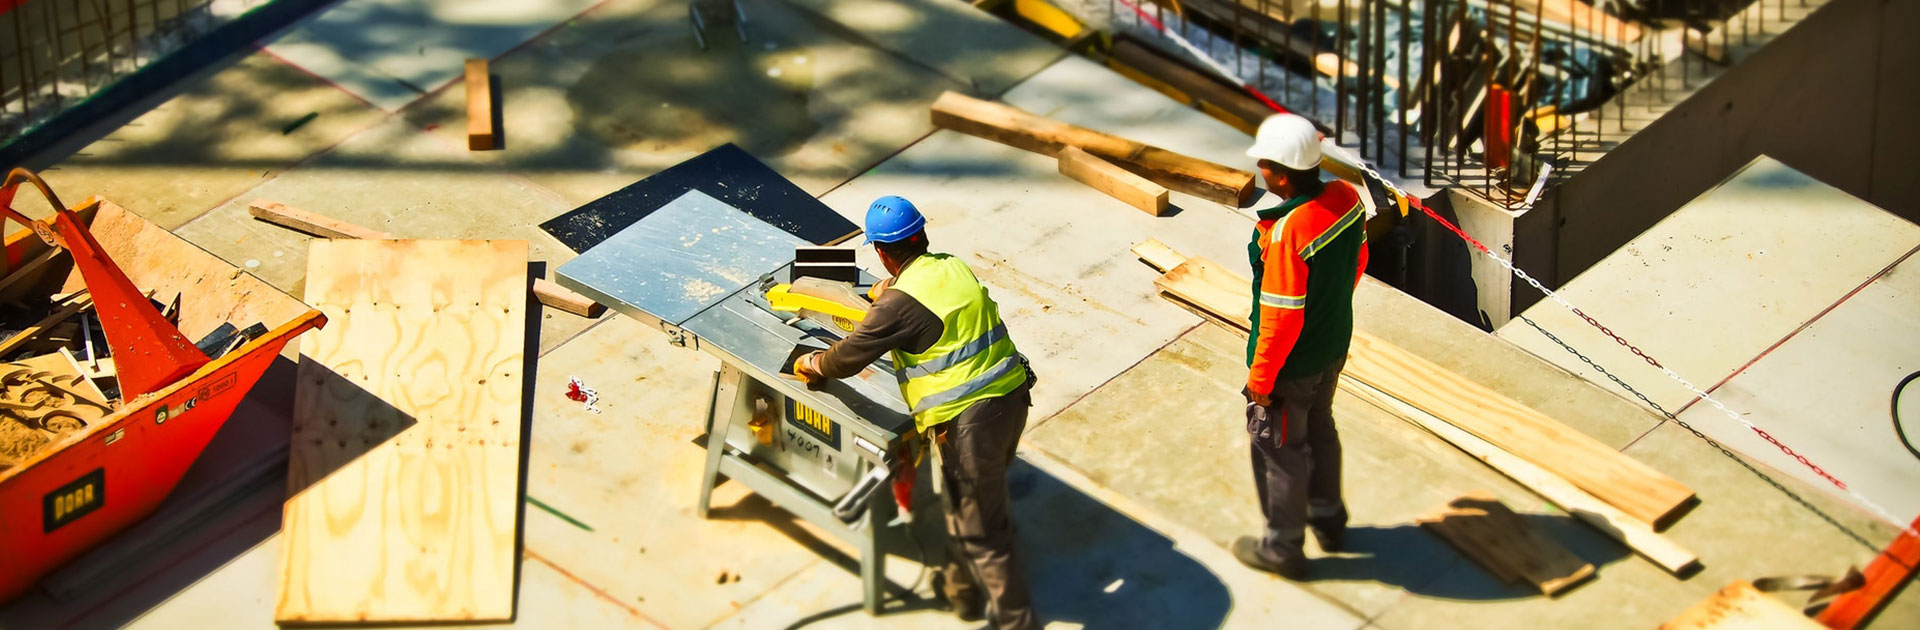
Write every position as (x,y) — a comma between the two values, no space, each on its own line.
(1296,465)
(978,448)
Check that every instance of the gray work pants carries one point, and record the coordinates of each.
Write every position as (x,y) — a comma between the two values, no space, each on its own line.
(979,447)
(1296,465)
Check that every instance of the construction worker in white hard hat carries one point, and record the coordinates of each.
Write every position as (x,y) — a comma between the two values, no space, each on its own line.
(1308,252)
(969,390)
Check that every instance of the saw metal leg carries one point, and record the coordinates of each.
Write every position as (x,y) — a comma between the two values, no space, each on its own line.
(726,386)
(699,26)
(873,560)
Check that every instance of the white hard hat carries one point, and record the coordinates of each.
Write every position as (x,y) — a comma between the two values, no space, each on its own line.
(1288,139)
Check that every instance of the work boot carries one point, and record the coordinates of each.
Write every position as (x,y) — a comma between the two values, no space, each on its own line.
(961,595)
(1251,552)
(1331,534)
(1328,520)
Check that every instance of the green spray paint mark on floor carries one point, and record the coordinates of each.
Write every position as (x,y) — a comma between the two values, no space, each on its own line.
(563,515)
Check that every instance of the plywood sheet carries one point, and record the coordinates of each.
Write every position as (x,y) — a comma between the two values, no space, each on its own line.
(1741,606)
(405,457)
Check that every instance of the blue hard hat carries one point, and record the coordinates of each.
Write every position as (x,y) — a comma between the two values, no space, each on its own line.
(892,219)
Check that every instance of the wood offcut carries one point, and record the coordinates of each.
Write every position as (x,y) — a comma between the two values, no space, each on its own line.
(548,292)
(1024,130)
(403,469)
(481,134)
(1507,545)
(1740,606)
(1116,182)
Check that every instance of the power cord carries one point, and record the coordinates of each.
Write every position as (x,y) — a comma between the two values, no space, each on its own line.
(1894,409)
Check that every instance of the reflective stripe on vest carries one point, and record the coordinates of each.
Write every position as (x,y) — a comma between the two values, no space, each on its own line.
(959,354)
(974,358)
(1004,367)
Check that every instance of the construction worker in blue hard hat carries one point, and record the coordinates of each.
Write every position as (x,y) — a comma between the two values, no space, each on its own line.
(968,388)
(1308,251)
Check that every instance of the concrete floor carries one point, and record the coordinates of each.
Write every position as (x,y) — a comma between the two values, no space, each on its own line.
(1133,474)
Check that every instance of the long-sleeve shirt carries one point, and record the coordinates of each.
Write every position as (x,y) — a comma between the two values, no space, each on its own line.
(1307,255)
(896,322)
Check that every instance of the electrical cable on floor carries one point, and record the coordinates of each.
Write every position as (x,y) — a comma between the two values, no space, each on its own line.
(1894,409)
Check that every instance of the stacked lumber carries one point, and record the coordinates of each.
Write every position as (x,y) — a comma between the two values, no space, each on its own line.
(1504,544)
(547,291)
(404,463)
(1620,496)
(1024,130)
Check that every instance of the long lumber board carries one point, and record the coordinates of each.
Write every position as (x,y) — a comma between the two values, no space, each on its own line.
(1740,606)
(1021,129)
(1636,535)
(404,461)
(1507,545)
(1637,489)
(547,291)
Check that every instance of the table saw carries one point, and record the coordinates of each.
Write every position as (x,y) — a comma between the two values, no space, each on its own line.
(701,270)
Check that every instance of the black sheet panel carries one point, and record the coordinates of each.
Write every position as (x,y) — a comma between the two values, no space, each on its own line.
(728,174)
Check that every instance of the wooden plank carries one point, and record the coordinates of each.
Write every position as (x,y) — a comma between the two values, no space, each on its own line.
(1453,532)
(1158,255)
(481,134)
(1888,572)
(404,466)
(1637,535)
(1740,606)
(1482,527)
(1116,182)
(548,292)
(26,275)
(302,221)
(1195,83)
(1020,129)
(72,307)
(1637,489)
(554,295)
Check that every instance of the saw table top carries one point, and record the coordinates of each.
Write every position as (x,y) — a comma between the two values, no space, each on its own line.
(697,266)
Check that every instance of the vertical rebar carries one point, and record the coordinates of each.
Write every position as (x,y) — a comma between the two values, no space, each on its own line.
(1363,83)
(1406,82)
(1379,86)
(1340,75)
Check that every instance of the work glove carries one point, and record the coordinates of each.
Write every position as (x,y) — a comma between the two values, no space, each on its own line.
(807,367)
(1264,400)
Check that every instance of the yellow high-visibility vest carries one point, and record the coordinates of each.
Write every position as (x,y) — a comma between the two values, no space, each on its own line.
(974,358)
